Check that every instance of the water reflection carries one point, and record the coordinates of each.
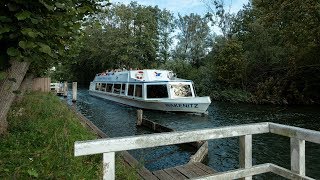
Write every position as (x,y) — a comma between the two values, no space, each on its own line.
(119,120)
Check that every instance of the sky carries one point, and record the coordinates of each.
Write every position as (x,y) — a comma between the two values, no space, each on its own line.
(185,7)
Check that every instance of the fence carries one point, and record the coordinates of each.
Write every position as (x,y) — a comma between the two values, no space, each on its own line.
(298,136)
(41,84)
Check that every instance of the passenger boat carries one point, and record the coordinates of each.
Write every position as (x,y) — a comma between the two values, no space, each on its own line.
(149,89)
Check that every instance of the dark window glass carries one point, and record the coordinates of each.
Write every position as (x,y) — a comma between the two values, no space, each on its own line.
(123,88)
(138,92)
(98,86)
(103,86)
(116,88)
(157,91)
(130,90)
(109,87)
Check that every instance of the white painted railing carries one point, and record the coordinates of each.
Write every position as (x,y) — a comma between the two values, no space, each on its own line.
(298,136)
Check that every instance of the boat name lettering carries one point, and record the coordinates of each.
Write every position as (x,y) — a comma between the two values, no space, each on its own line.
(183,105)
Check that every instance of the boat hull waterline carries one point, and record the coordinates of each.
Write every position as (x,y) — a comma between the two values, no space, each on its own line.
(194,105)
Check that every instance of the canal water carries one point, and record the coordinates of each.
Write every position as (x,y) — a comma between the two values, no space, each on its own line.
(119,120)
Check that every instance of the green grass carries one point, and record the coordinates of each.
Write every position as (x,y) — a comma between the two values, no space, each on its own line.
(40,143)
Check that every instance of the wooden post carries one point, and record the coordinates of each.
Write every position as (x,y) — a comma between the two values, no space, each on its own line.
(65,89)
(139,117)
(245,157)
(74,91)
(297,151)
(108,166)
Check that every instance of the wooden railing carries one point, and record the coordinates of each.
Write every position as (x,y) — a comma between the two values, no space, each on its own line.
(298,136)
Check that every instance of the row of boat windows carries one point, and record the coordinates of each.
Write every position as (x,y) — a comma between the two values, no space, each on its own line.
(153,91)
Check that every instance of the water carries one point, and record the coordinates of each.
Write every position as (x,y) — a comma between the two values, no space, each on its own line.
(119,120)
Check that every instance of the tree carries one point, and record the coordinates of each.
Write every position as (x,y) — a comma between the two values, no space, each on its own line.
(165,29)
(192,38)
(40,31)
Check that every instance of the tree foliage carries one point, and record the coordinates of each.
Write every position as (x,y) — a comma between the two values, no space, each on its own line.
(192,38)
(267,52)
(40,31)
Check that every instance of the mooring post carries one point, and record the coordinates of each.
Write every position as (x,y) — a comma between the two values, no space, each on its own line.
(74,91)
(65,89)
(297,151)
(245,156)
(139,117)
(109,166)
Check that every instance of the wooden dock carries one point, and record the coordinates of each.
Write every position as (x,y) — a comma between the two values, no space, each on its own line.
(188,171)
(108,147)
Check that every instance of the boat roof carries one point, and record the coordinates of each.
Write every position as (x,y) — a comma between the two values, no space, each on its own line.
(142,76)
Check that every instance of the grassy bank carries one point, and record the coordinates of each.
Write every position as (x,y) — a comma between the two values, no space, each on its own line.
(39,144)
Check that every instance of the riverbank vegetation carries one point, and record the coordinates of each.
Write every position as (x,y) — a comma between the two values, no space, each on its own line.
(266,53)
(40,140)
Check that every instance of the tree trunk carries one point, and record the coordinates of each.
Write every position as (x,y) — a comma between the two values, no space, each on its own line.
(9,88)
(25,86)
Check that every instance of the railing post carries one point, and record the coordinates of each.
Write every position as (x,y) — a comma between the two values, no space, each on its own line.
(65,89)
(245,156)
(139,117)
(108,166)
(297,151)
(74,91)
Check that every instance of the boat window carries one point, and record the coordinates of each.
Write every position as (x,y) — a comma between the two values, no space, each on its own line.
(130,90)
(138,92)
(109,87)
(103,86)
(123,88)
(157,91)
(116,88)
(181,90)
(98,86)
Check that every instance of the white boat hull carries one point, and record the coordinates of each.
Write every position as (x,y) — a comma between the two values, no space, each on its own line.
(194,104)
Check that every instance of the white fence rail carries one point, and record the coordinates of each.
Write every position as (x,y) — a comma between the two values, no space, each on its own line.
(298,136)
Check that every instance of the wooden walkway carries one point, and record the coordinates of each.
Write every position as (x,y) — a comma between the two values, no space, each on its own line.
(188,171)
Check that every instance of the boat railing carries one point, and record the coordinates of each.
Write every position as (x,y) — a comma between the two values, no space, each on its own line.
(297,135)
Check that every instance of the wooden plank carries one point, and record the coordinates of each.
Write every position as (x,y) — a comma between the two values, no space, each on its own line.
(109,166)
(245,154)
(201,153)
(185,171)
(162,175)
(196,169)
(147,175)
(205,168)
(238,173)
(295,132)
(175,174)
(163,139)
(287,173)
(143,172)
(139,117)
(298,157)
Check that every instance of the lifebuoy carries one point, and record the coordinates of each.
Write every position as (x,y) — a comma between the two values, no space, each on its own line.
(139,75)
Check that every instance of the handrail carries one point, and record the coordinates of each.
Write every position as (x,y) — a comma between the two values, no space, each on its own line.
(162,139)
(298,136)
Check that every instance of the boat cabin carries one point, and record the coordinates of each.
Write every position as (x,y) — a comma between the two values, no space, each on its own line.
(144,84)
